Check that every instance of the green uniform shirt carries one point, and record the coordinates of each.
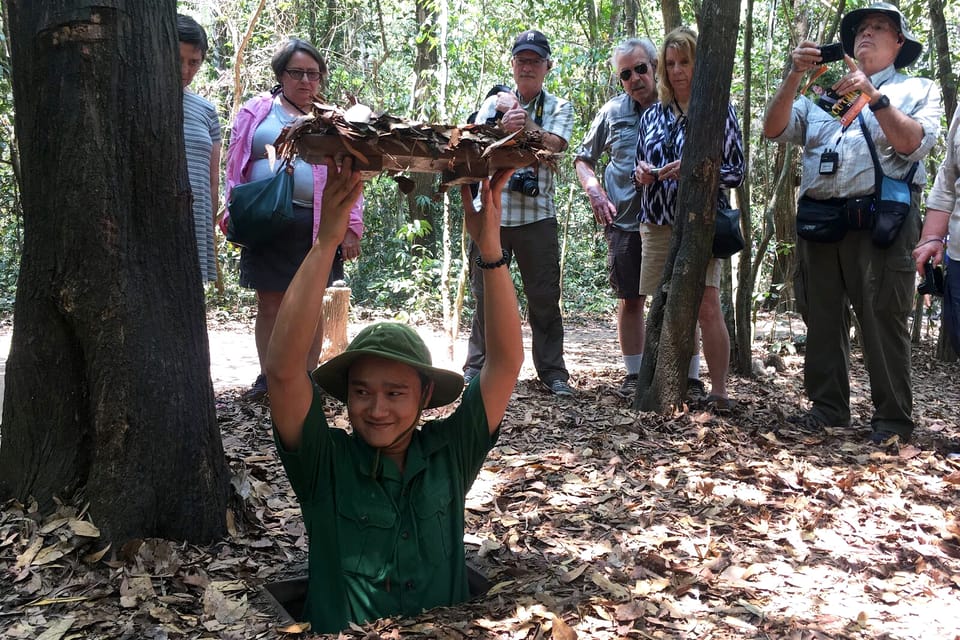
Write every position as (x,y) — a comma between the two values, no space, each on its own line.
(383,542)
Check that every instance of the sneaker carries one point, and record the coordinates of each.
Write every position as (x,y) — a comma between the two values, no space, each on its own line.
(469,374)
(809,422)
(560,388)
(696,392)
(256,391)
(628,388)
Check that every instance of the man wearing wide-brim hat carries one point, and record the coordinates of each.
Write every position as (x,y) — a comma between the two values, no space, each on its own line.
(844,262)
(383,506)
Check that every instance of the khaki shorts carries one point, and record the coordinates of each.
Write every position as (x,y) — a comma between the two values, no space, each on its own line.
(656,246)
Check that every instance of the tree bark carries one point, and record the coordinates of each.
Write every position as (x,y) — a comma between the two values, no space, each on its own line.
(941,46)
(629,18)
(948,85)
(107,383)
(671,15)
(784,215)
(742,336)
(670,343)
(420,199)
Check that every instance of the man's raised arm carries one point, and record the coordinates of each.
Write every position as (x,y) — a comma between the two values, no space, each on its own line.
(504,344)
(300,315)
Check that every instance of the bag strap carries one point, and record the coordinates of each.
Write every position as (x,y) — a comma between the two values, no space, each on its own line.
(878,171)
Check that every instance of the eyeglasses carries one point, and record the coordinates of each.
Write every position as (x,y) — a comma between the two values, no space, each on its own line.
(300,74)
(875,25)
(529,62)
(641,70)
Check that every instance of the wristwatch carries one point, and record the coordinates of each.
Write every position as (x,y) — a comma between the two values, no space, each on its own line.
(882,103)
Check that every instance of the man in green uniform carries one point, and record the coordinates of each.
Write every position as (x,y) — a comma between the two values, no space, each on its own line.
(384,505)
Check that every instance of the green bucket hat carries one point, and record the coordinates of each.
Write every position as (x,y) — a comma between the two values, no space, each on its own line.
(393,341)
(911,48)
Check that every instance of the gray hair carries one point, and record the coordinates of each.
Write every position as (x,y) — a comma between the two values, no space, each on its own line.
(630,45)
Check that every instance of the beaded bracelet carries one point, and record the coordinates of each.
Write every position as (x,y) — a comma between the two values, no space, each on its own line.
(504,259)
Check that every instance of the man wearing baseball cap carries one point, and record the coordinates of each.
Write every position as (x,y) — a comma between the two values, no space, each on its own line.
(528,228)
(383,506)
(903,120)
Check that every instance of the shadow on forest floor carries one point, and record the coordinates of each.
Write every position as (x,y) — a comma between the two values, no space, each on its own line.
(589,520)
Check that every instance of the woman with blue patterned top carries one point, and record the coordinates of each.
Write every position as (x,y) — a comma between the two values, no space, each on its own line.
(659,154)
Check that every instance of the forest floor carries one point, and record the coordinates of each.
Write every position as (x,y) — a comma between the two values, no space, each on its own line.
(589,521)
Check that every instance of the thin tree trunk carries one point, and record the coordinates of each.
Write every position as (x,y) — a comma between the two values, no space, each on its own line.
(742,337)
(630,18)
(669,342)
(422,108)
(948,85)
(671,15)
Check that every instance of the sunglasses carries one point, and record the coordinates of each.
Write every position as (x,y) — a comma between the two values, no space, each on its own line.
(641,70)
(299,74)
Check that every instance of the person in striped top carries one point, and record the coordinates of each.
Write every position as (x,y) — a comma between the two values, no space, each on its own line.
(202,142)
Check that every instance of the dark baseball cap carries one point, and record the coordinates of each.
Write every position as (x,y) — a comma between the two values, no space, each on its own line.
(532,40)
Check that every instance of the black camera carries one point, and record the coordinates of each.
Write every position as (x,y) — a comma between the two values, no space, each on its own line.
(932,283)
(831,53)
(525,182)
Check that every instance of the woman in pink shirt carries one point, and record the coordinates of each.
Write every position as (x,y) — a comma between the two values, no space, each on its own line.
(300,70)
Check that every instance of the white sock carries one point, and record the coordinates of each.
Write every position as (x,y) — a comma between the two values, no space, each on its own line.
(632,363)
(694,370)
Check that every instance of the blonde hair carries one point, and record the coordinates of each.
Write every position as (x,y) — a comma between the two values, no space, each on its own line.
(684,40)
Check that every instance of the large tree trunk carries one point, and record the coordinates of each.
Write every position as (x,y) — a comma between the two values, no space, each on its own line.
(669,344)
(107,384)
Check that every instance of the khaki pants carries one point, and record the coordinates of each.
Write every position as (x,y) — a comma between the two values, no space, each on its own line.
(879,285)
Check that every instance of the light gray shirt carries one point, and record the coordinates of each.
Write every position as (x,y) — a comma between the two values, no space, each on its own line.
(943,196)
(201,130)
(614,131)
(818,131)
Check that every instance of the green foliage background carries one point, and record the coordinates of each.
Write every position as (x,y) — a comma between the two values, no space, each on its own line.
(371,48)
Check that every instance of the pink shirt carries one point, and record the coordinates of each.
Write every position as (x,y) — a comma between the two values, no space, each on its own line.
(251,114)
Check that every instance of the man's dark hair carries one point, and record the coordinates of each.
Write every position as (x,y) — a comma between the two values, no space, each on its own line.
(282,57)
(190,32)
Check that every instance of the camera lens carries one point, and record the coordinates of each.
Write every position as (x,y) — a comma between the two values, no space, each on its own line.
(525,182)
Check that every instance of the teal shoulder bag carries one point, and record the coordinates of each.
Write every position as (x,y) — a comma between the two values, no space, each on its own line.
(259,209)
